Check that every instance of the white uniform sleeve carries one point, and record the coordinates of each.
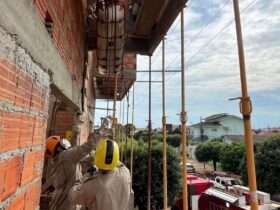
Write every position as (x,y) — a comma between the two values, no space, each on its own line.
(83,193)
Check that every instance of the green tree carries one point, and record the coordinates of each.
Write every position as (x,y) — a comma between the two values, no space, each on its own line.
(267,166)
(231,157)
(174,140)
(140,175)
(209,151)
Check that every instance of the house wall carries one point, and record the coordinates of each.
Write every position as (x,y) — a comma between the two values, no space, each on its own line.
(33,66)
(234,125)
(68,34)
(24,95)
(210,131)
(229,126)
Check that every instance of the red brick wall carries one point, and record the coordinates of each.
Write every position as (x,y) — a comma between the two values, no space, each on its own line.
(63,121)
(24,91)
(68,31)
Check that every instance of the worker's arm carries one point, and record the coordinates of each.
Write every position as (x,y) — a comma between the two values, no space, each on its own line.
(48,183)
(83,193)
(76,153)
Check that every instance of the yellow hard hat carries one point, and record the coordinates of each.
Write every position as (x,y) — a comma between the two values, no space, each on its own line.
(69,135)
(51,145)
(107,155)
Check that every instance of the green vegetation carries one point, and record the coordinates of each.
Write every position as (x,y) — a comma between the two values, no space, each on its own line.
(172,139)
(210,151)
(140,174)
(231,157)
(228,155)
(267,166)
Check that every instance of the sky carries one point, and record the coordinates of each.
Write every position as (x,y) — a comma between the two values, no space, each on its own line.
(212,67)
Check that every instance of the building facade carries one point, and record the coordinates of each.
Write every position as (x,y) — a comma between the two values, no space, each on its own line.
(217,126)
(52,56)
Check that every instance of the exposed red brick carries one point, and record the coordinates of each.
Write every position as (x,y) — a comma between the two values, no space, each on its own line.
(17,203)
(18,88)
(68,31)
(63,122)
(19,130)
(10,171)
(28,200)
(31,166)
(32,196)
(9,130)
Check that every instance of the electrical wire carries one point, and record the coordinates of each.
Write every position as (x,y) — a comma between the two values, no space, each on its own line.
(213,38)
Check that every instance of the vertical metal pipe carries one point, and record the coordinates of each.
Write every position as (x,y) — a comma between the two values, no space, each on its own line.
(183,117)
(120,118)
(126,129)
(114,124)
(150,136)
(131,141)
(122,132)
(246,110)
(107,114)
(164,147)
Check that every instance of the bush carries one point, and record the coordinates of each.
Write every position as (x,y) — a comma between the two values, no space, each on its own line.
(231,157)
(140,175)
(267,166)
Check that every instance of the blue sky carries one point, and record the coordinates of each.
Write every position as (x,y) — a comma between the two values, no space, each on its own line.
(212,64)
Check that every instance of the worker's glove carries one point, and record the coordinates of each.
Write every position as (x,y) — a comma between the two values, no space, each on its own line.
(92,170)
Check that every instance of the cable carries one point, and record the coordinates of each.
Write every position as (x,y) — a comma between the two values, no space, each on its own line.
(213,38)
(206,26)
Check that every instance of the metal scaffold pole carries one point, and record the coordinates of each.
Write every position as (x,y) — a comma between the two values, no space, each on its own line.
(107,114)
(122,131)
(164,147)
(114,124)
(246,110)
(150,136)
(126,128)
(131,140)
(120,117)
(183,118)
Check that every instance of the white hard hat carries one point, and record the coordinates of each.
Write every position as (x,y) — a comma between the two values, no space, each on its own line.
(65,144)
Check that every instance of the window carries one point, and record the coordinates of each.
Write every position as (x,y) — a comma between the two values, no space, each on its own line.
(214,129)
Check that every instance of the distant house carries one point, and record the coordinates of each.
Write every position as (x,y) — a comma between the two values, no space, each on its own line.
(217,126)
(268,132)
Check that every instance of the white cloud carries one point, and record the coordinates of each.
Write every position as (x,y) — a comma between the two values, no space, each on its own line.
(213,73)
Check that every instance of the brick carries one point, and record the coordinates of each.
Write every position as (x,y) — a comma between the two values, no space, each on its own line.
(17,203)
(32,196)
(68,31)
(9,131)
(32,166)
(19,130)
(10,171)
(18,88)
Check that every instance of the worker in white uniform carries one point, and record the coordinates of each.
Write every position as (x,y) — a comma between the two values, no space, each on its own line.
(62,174)
(110,187)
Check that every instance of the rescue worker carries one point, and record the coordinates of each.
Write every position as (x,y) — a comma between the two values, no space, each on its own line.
(64,163)
(107,189)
